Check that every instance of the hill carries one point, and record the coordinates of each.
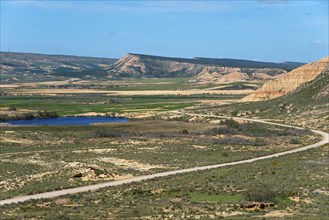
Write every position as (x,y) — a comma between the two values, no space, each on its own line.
(20,64)
(226,62)
(289,82)
(203,69)
(306,106)
(30,67)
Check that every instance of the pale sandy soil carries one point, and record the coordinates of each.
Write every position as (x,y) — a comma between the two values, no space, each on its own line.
(199,147)
(9,86)
(277,214)
(218,102)
(19,182)
(5,110)
(224,84)
(133,93)
(229,214)
(91,114)
(97,151)
(17,141)
(181,92)
(130,163)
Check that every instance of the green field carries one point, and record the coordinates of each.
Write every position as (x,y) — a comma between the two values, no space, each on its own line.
(22,100)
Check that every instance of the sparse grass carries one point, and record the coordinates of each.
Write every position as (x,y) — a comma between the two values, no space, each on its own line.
(214,193)
(60,152)
(213,198)
(39,159)
(83,103)
(306,107)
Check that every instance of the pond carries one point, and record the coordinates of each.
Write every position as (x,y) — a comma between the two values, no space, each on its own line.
(67,121)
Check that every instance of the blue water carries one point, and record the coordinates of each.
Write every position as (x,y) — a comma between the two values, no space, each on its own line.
(67,121)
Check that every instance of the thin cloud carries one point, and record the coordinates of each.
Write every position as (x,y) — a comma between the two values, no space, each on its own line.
(318,44)
(272,1)
(141,7)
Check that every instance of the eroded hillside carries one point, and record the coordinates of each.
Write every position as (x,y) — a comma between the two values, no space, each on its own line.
(16,66)
(289,82)
(201,69)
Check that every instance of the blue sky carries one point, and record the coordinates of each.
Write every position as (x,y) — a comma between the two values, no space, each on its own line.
(266,30)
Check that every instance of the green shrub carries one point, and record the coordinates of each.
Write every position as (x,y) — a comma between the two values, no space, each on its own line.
(12,108)
(46,114)
(295,141)
(259,142)
(261,195)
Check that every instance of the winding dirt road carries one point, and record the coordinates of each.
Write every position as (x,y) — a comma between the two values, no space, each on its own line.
(325,140)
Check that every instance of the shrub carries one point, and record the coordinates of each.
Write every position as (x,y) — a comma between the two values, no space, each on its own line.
(12,108)
(27,115)
(46,114)
(259,142)
(224,154)
(185,131)
(231,123)
(261,195)
(232,141)
(106,133)
(220,130)
(295,141)
(4,117)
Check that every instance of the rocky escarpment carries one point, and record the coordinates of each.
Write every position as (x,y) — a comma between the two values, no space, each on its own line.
(204,70)
(289,82)
(132,65)
(232,74)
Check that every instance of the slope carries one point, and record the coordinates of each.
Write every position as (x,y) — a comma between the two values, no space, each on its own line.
(19,64)
(203,69)
(306,106)
(289,82)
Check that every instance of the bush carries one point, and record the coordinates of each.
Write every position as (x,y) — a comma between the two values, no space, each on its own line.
(46,114)
(220,130)
(185,132)
(4,117)
(261,195)
(12,108)
(224,154)
(259,142)
(232,141)
(27,115)
(295,141)
(106,133)
(231,123)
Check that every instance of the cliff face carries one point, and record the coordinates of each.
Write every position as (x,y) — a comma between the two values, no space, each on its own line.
(137,66)
(286,83)
(133,65)
(230,74)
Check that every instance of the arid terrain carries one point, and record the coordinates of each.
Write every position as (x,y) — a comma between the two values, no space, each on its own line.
(174,123)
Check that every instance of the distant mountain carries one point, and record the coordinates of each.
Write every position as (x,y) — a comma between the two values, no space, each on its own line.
(248,63)
(30,67)
(225,62)
(56,65)
(203,69)
(289,82)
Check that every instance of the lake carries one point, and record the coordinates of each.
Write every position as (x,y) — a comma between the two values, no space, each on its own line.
(67,121)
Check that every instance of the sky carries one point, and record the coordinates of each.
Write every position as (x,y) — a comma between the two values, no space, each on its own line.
(265,30)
